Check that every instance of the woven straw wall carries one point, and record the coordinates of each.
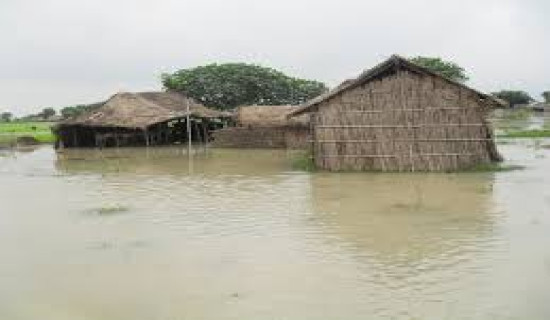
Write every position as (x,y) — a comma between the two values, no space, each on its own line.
(403,122)
(262,137)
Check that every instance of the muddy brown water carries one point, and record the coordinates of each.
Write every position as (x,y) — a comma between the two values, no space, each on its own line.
(135,234)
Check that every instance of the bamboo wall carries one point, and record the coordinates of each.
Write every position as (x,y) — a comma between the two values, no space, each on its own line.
(262,137)
(403,122)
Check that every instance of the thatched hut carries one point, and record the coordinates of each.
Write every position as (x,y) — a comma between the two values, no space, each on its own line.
(399,116)
(145,118)
(265,127)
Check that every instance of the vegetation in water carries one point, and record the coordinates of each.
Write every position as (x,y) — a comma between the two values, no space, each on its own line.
(517,114)
(512,119)
(303,162)
(536,133)
(110,210)
(493,167)
(229,85)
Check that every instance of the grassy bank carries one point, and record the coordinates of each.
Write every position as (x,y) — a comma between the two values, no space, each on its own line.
(10,131)
(540,133)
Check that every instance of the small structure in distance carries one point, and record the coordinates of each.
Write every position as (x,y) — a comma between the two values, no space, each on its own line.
(265,127)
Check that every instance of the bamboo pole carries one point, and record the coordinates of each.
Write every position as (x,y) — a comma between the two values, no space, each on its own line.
(205,131)
(146,136)
(188,120)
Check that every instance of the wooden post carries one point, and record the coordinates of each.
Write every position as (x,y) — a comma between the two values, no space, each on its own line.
(75,139)
(312,122)
(146,136)
(197,131)
(117,138)
(205,131)
(188,119)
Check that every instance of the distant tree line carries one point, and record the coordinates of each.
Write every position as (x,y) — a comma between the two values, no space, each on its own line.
(514,97)
(518,97)
(6,116)
(74,111)
(45,114)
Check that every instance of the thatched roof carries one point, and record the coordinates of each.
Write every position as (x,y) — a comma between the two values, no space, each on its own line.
(269,116)
(140,110)
(384,68)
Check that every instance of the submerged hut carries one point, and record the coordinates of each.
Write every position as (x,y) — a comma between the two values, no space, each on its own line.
(265,127)
(399,116)
(140,119)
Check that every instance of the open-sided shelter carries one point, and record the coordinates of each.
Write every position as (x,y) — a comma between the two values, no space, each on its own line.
(141,119)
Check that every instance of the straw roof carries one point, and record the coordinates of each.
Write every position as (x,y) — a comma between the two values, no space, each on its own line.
(387,67)
(269,116)
(140,110)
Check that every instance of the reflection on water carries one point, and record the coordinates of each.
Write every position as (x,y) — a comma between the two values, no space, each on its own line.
(405,216)
(236,234)
(175,161)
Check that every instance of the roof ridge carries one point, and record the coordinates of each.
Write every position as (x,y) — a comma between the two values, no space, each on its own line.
(369,74)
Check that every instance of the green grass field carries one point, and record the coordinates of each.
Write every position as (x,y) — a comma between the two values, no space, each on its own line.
(41,131)
(541,133)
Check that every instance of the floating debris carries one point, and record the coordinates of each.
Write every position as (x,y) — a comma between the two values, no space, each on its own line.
(110,210)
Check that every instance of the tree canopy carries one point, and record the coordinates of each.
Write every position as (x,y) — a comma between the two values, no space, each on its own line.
(229,85)
(6,116)
(47,113)
(447,69)
(514,97)
(546,96)
(73,111)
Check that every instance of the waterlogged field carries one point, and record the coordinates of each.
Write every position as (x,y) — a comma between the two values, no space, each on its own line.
(139,234)
(10,131)
(521,124)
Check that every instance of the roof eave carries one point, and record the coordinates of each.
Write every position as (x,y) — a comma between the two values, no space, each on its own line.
(396,62)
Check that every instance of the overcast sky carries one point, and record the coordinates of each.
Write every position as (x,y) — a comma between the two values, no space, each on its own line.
(65,52)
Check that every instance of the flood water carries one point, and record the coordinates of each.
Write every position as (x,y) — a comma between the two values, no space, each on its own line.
(136,234)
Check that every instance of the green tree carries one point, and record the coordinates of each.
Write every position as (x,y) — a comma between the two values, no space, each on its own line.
(514,97)
(47,113)
(225,86)
(6,116)
(447,69)
(546,96)
(74,111)
(68,112)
